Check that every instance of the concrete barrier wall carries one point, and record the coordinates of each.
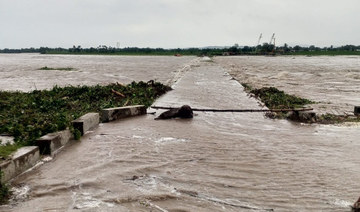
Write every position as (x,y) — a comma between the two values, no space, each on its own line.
(51,142)
(111,114)
(23,159)
(86,122)
(26,157)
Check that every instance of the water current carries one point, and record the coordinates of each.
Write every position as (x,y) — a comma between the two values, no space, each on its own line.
(213,162)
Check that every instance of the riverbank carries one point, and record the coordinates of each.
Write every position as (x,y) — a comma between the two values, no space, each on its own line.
(28,116)
(25,117)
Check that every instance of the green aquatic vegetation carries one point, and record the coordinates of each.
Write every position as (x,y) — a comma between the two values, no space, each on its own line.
(77,134)
(246,86)
(277,99)
(6,150)
(4,191)
(58,69)
(335,119)
(28,116)
(274,98)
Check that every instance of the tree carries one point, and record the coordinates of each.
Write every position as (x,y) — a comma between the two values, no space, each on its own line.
(297,48)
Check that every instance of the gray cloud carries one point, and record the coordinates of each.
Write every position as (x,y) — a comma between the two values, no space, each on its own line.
(176,23)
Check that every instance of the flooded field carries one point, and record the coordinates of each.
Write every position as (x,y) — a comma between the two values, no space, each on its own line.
(213,162)
(333,81)
(20,71)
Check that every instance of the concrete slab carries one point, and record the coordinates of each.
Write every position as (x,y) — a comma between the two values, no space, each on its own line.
(49,143)
(23,159)
(111,114)
(86,122)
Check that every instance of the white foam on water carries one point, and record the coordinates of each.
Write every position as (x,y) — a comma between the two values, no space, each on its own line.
(47,159)
(85,200)
(206,59)
(164,140)
(146,184)
(20,193)
(137,136)
(341,203)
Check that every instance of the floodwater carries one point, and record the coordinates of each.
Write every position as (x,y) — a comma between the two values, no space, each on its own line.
(20,71)
(213,162)
(332,81)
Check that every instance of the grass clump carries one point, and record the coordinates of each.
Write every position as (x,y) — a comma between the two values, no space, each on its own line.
(246,86)
(28,116)
(58,69)
(6,150)
(277,99)
(4,191)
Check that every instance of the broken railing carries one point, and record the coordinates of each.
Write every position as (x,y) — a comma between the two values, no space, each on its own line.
(237,110)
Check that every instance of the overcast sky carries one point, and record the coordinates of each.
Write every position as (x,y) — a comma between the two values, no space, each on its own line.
(177,23)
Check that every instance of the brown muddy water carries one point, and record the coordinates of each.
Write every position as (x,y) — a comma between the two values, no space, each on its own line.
(332,81)
(214,162)
(20,71)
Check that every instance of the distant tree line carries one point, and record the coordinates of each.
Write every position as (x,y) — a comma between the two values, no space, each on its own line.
(264,49)
(268,49)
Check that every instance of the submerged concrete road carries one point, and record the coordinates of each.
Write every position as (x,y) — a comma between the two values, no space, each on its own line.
(214,162)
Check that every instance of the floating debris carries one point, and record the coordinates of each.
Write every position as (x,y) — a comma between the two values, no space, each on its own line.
(184,112)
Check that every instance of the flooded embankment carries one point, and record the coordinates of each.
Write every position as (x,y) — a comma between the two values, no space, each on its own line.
(332,81)
(213,162)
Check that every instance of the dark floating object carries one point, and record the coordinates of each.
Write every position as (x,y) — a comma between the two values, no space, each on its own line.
(184,112)
(356,206)
(302,116)
(357,110)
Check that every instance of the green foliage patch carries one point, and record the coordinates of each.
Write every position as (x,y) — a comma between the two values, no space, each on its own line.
(247,86)
(28,116)
(7,149)
(276,99)
(335,119)
(4,191)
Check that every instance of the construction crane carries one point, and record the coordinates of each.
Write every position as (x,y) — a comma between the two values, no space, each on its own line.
(259,39)
(272,38)
(257,44)
(272,41)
